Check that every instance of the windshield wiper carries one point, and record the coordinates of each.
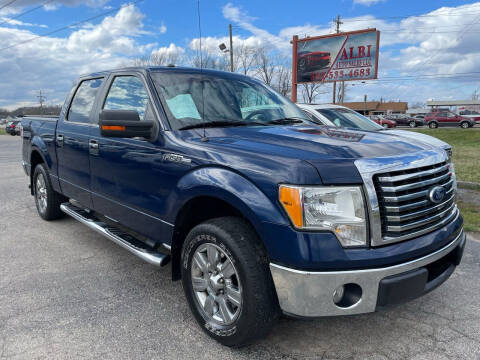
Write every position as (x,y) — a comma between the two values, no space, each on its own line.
(223,123)
(286,121)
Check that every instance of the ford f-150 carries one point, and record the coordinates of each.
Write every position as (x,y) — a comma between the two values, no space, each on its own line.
(258,210)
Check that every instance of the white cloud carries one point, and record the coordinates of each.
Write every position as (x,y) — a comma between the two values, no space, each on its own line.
(170,51)
(14,22)
(162,29)
(441,41)
(20,5)
(53,63)
(367,2)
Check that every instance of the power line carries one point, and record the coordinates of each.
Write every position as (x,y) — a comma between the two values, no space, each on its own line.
(457,38)
(26,12)
(412,15)
(71,25)
(6,4)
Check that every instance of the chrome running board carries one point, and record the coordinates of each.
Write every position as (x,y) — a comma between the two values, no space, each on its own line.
(116,235)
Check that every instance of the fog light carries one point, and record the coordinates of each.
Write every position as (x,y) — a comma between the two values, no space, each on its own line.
(338,294)
(347,295)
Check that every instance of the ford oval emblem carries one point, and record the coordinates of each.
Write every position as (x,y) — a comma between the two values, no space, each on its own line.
(437,194)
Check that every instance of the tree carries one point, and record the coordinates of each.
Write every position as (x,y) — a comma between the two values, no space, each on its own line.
(245,58)
(310,91)
(265,66)
(158,59)
(342,93)
(283,79)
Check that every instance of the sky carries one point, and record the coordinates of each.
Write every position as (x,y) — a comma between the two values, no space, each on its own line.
(429,49)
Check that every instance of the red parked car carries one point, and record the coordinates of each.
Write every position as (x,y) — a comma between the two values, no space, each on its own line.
(447,118)
(386,123)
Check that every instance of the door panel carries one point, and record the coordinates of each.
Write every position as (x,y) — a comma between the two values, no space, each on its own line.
(126,175)
(72,143)
(73,162)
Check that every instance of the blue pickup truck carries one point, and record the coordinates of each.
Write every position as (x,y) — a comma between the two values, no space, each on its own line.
(259,211)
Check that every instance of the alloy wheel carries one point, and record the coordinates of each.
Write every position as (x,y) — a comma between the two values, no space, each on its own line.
(216,284)
(41,192)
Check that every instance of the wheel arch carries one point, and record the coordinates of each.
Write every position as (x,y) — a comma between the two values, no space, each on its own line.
(208,193)
(36,157)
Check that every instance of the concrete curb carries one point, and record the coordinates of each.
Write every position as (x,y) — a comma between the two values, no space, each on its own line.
(468,185)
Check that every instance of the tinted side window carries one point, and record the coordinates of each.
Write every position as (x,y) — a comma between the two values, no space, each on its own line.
(83,100)
(127,93)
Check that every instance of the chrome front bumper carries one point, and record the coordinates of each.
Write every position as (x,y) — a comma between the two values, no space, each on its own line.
(310,294)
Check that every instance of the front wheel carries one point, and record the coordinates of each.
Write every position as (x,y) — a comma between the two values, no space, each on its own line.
(412,124)
(227,281)
(465,125)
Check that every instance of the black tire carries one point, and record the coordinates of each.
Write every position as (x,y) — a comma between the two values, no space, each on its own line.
(433,125)
(259,308)
(412,124)
(53,199)
(464,125)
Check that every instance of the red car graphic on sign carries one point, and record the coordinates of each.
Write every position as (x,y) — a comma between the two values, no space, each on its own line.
(313,60)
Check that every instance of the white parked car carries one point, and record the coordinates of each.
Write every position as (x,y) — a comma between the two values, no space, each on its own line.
(340,116)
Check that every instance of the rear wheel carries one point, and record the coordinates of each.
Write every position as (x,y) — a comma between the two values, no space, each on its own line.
(464,124)
(412,124)
(433,125)
(47,200)
(227,281)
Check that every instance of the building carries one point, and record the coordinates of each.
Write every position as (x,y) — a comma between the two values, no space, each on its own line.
(462,107)
(378,107)
(418,111)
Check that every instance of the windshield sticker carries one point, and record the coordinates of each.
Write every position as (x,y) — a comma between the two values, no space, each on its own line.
(182,106)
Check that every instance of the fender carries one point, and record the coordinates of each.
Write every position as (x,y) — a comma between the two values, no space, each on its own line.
(39,146)
(234,189)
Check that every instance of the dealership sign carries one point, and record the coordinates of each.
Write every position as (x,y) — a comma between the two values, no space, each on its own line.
(337,57)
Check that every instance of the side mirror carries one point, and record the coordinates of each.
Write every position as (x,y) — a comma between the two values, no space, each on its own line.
(124,124)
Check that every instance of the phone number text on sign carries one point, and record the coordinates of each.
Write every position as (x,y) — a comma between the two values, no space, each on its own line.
(340,75)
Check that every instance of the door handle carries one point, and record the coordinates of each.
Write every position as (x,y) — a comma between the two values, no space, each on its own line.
(93,147)
(59,139)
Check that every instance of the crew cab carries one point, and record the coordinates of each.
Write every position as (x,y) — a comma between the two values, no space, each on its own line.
(258,210)
(447,118)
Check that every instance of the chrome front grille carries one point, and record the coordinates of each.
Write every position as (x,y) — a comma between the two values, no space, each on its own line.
(406,210)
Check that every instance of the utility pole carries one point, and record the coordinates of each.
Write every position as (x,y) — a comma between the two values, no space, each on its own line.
(231,47)
(337,23)
(41,100)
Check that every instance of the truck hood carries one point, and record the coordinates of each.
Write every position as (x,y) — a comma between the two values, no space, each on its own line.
(420,137)
(314,142)
(332,152)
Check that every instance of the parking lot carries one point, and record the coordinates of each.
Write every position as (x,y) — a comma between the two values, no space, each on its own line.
(67,292)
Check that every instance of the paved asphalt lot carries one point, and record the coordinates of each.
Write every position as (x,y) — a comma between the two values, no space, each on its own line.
(67,292)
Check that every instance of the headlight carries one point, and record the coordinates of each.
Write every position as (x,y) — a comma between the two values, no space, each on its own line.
(338,209)
(449,152)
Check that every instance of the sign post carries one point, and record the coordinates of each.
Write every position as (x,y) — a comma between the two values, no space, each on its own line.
(345,56)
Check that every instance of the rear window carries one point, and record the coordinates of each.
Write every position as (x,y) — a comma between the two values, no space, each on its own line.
(83,101)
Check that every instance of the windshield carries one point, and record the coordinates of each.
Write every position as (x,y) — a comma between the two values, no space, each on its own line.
(236,101)
(346,118)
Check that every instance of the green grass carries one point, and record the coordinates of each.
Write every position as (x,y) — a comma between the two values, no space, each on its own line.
(471,216)
(466,150)
(2,131)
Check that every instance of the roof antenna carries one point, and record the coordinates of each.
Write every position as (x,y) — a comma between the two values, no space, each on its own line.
(204,138)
